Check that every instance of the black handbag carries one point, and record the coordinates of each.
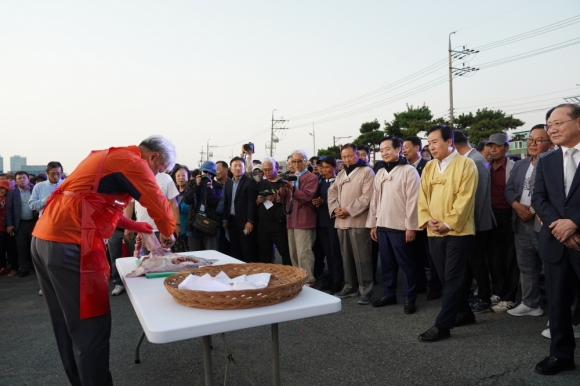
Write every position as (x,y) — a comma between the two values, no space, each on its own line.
(204,224)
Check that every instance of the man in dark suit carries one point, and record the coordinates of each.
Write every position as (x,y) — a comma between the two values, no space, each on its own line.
(240,205)
(556,200)
(20,220)
(412,152)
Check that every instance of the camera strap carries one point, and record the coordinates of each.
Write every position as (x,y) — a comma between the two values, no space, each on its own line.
(288,208)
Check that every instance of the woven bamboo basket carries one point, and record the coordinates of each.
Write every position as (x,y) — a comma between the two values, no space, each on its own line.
(286,282)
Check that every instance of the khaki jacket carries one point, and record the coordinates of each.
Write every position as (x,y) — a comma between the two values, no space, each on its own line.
(354,193)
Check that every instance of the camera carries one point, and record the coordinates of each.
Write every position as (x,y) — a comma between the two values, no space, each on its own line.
(265,193)
(249,147)
(287,176)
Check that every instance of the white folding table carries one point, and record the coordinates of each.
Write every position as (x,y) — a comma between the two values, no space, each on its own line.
(164,320)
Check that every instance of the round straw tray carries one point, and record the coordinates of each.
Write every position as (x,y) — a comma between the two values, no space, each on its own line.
(286,282)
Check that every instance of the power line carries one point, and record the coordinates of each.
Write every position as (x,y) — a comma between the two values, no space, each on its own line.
(530,34)
(530,54)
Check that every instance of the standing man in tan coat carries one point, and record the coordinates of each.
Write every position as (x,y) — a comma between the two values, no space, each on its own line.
(348,201)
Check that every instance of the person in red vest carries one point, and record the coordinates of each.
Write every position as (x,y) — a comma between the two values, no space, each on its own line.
(69,252)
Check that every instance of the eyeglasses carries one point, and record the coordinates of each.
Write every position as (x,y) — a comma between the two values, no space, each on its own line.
(556,125)
(297,161)
(265,170)
(536,141)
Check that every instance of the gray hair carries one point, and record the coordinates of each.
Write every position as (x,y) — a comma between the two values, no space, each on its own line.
(272,161)
(301,152)
(164,147)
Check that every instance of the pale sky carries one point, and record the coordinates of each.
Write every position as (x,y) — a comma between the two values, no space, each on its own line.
(78,76)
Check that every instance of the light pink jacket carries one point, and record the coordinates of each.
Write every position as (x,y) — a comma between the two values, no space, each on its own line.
(354,193)
(394,201)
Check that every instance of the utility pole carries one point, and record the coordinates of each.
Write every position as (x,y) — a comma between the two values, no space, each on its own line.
(208,153)
(201,153)
(273,138)
(335,138)
(313,140)
(457,71)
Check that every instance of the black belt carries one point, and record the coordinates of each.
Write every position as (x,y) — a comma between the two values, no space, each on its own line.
(501,210)
(22,220)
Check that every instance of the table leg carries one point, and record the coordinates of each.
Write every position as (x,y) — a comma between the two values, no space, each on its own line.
(275,356)
(207,360)
(137,359)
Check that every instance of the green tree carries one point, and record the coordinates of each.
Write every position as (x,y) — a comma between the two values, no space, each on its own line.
(410,122)
(370,135)
(485,122)
(331,150)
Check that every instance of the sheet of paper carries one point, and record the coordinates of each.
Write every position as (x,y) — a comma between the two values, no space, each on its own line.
(268,204)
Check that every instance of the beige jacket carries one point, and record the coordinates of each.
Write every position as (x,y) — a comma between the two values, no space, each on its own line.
(394,200)
(354,193)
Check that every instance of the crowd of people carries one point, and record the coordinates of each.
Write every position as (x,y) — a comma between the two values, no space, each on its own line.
(468,225)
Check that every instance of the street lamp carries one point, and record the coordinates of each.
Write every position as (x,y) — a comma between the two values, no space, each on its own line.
(313,140)
(335,138)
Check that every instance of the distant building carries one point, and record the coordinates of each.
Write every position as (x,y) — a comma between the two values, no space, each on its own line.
(16,163)
(33,169)
(1,164)
(519,147)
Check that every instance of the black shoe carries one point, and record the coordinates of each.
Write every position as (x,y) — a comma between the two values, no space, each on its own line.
(552,365)
(434,334)
(326,286)
(464,318)
(384,301)
(410,308)
(434,295)
(23,273)
(421,290)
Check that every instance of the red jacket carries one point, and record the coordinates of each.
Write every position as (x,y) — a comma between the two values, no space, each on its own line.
(303,214)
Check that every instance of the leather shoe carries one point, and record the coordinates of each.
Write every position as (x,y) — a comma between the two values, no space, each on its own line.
(434,334)
(464,318)
(384,301)
(552,365)
(23,273)
(410,308)
(434,295)
(421,290)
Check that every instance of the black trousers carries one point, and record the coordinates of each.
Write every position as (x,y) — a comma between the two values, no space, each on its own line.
(83,344)
(318,256)
(422,247)
(478,261)
(560,280)
(450,255)
(23,236)
(331,245)
(505,274)
(242,246)
(8,254)
(265,242)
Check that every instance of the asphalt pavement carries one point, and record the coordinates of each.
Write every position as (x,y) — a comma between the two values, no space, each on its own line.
(360,345)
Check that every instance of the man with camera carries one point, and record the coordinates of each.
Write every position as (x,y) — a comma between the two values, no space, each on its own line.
(240,205)
(301,214)
(271,224)
(248,157)
(203,196)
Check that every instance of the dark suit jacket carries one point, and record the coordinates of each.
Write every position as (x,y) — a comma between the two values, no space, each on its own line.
(551,204)
(421,166)
(13,203)
(244,201)
(515,185)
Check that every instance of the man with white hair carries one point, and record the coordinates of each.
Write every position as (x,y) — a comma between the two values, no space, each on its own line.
(76,287)
(301,217)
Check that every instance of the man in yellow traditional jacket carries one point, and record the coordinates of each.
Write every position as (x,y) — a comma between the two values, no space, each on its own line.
(446,209)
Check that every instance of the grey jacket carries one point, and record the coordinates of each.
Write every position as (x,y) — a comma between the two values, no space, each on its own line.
(484,218)
(515,185)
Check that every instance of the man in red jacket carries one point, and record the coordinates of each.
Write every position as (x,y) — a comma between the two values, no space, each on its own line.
(69,253)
